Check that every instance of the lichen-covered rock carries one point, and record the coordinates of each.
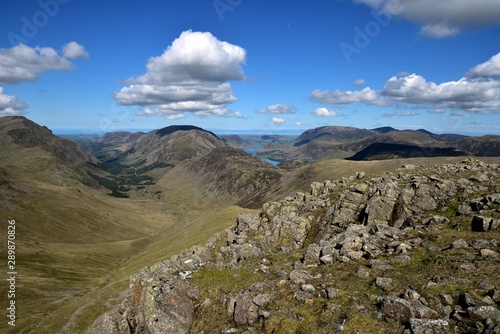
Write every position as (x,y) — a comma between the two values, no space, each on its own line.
(396,309)
(245,311)
(287,230)
(484,312)
(424,326)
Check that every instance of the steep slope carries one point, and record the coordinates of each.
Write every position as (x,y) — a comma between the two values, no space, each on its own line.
(171,145)
(232,173)
(415,251)
(30,148)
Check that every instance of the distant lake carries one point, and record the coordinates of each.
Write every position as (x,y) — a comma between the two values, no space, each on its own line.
(253,150)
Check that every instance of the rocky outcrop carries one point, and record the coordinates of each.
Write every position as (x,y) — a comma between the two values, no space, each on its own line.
(336,254)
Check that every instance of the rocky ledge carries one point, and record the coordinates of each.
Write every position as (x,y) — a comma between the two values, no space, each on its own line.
(414,251)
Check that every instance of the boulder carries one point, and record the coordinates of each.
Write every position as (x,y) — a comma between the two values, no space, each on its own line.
(483,224)
(396,309)
(484,312)
(424,326)
(245,310)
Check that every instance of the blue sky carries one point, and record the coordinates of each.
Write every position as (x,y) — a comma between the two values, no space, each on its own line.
(258,66)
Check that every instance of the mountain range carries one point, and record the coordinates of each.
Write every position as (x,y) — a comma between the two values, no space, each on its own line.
(337,142)
(93,211)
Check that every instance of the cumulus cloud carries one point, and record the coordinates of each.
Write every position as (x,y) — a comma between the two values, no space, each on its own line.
(324,112)
(278,120)
(477,96)
(11,105)
(490,68)
(337,97)
(73,50)
(444,17)
(278,109)
(192,75)
(359,82)
(23,63)
(477,92)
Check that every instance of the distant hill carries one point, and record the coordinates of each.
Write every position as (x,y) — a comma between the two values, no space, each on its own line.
(384,129)
(339,134)
(320,150)
(485,146)
(336,142)
(444,137)
(234,141)
(172,144)
(384,151)
(120,137)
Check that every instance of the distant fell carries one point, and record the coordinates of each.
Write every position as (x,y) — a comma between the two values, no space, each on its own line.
(384,129)
(340,134)
(171,145)
(174,128)
(384,151)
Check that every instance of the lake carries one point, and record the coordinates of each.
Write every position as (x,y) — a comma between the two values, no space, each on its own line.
(253,150)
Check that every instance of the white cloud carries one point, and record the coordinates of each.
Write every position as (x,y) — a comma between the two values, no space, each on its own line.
(477,92)
(444,17)
(73,50)
(324,112)
(337,97)
(278,109)
(477,96)
(190,76)
(439,30)
(11,105)
(23,63)
(400,114)
(359,82)
(490,68)
(168,114)
(277,120)
(437,111)
(237,114)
